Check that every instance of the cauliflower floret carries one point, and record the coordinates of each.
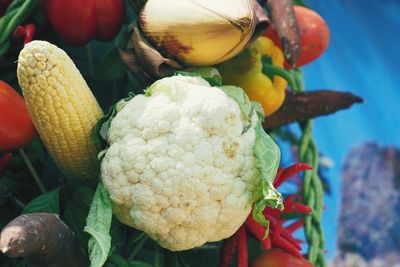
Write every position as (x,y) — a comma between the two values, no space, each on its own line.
(179,166)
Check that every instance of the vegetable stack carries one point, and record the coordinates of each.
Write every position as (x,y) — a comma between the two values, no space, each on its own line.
(178,173)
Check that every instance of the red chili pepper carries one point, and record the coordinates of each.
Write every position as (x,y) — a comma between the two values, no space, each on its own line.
(30,30)
(295,226)
(286,246)
(227,251)
(283,232)
(273,212)
(4,160)
(297,208)
(279,236)
(241,236)
(289,172)
(258,231)
(27,32)
(277,231)
(19,32)
(291,206)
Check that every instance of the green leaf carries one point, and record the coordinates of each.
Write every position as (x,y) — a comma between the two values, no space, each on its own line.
(78,199)
(121,262)
(158,255)
(111,66)
(259,110)
(118,234)
(4,47)
(209,74)
(47,202)
(200,257)
(98,225)
(267,154)
(171,258)
(103,125)
(240,97)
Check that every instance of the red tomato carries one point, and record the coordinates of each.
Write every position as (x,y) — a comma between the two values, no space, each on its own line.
(16,127)
(79,21)
(279,258)
(314,35)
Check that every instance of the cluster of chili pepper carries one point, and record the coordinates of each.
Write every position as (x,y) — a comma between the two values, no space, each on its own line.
(25,32)
(279,236)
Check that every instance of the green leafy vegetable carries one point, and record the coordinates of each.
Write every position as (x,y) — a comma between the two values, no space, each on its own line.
(98,225)
(209,74)
(48,202)
(268,156)
(78,199)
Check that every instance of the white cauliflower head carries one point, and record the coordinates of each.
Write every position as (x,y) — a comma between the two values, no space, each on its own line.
(181,165)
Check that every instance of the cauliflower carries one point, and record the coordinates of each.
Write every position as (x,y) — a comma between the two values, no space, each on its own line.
(180,165)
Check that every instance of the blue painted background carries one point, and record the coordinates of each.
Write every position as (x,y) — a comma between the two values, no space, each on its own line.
(363,58)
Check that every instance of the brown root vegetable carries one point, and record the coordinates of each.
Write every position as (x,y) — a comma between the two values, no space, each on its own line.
(284,21)
(299,107)
(42,239)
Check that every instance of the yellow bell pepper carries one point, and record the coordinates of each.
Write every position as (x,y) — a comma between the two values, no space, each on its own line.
(245,71)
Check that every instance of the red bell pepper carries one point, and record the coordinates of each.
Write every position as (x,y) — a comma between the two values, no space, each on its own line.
(79,21)
(16,127)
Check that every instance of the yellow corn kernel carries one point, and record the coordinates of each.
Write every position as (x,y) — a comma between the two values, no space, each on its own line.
(63,109)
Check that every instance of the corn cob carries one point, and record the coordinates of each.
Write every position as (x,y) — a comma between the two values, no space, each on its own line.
(63,109)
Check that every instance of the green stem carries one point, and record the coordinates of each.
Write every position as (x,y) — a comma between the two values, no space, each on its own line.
(138,247)
(114,96)
(17,201)
(117,260)
(297,76)
(275,70)
(171,259)
(32,170)
(157,257)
